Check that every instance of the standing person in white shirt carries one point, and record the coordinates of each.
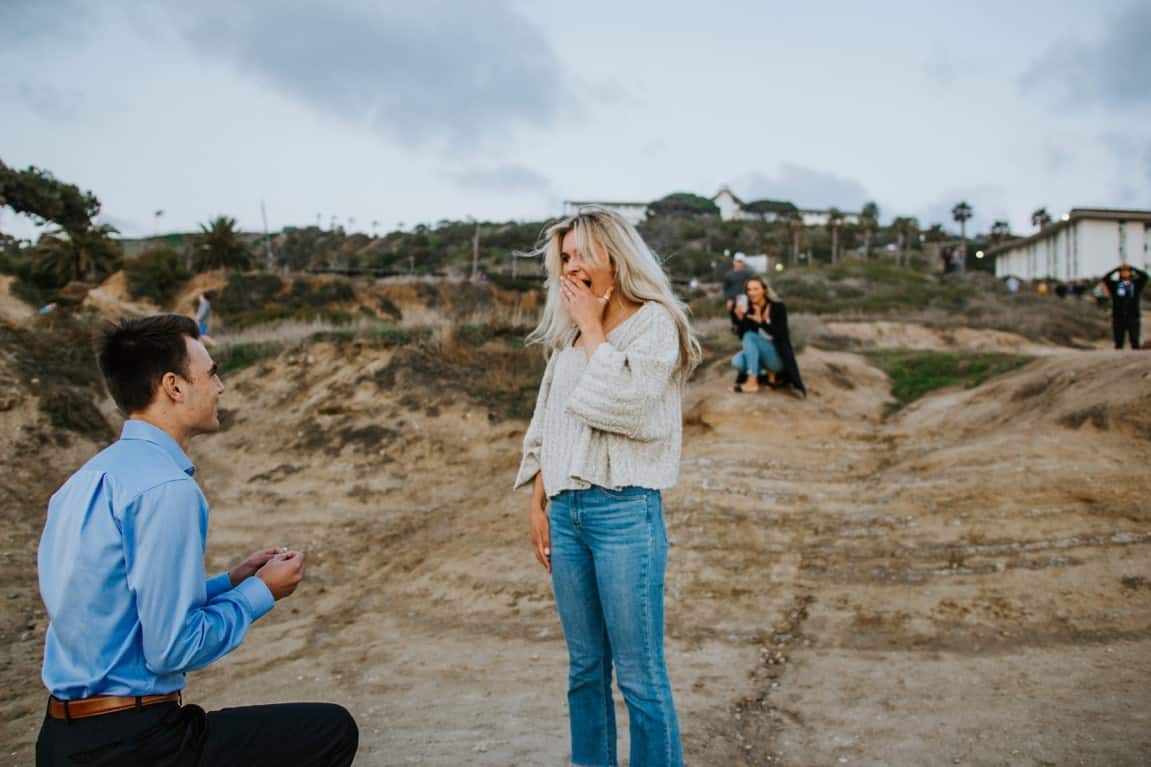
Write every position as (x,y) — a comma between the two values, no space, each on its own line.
(603,442)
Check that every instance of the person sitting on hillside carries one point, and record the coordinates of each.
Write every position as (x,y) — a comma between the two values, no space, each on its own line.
(1125,284)
(759,318)
(735,281)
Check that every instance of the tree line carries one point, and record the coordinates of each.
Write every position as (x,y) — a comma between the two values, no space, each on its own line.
(684,228)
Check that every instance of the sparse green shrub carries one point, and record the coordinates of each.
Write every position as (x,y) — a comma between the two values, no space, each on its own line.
(73,409)
(246,292)
(312,293)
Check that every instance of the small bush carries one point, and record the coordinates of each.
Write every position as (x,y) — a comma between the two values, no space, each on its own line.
(245,292)
(308,293)
(73,410)
(155,275)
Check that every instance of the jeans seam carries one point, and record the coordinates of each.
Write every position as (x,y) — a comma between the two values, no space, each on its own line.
(607,693)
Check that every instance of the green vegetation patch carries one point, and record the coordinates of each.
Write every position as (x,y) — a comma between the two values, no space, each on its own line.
(916,373)
(382,334)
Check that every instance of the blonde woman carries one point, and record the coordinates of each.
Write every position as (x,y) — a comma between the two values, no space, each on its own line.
(603,442)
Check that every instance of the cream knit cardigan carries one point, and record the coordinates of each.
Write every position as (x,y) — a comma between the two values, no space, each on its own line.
(613,420)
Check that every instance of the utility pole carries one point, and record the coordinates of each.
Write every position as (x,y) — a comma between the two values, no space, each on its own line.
(476,252)
(267,237)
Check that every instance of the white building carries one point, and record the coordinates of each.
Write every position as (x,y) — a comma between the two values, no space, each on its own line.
(731,208)
(635,213)
(1086,244)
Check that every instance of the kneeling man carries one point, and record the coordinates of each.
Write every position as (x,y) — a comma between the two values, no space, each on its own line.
(121,567)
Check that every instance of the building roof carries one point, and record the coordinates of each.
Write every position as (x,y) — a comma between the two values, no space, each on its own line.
(627,204)
(1073,215)
(727,189)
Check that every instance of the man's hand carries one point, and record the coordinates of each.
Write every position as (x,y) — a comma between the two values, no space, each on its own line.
(250,565)
(283,573)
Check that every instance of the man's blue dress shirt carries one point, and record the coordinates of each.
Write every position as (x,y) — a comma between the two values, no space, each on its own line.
(122,574)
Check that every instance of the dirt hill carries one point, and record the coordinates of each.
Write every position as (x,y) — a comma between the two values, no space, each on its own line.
(968,581)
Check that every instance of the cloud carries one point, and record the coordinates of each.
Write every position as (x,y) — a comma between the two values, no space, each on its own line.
(502,178)
(1114,71)
(43,99)
(27,21)
(457,74)
(1131,162)
(806,187)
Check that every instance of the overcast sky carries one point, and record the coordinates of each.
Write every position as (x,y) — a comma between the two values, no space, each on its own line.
(409,112)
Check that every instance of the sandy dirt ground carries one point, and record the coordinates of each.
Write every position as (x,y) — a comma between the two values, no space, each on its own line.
(968,582)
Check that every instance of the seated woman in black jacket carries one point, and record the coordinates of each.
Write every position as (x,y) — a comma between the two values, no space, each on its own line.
(767,356)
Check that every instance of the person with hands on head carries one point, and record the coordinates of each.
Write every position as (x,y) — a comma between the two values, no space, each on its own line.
(131,611)
(1125,284)
(604,440)
(767,356)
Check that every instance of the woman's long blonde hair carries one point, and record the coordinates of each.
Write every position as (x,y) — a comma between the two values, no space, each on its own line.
(638,276)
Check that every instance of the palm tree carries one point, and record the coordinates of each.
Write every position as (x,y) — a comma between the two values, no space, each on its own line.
(869,222)
(1040,218)
(218,246)
(961,212)
(906,229)
(1000,231)
(834,221)
(793,219)
(88,254)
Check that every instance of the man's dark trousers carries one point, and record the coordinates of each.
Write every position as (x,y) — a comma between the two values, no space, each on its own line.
(1127,326)
(168,735)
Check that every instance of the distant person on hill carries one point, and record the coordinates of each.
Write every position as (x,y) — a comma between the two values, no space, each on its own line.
(735,281)
(131,611)
(759,318)
(1012,285)
(204,317)
(1125,284)
(603,442)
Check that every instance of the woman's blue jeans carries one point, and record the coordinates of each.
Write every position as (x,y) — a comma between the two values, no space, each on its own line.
(758,356)
(608,555)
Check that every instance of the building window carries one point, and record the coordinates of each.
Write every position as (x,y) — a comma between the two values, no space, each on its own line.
(1122,242)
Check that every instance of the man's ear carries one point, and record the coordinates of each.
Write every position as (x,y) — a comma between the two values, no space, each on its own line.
(172,387)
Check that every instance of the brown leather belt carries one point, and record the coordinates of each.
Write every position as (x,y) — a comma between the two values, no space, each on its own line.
(104,704)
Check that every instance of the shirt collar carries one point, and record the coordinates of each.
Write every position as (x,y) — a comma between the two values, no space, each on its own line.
(134,429)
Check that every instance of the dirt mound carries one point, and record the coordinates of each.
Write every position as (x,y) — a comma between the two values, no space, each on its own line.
(111,300)
(1103,390)
(12,309)
(905,335)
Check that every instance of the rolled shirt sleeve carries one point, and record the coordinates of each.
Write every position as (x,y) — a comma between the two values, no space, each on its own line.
(186,620)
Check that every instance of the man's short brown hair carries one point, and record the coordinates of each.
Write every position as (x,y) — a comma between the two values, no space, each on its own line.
(135,354)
